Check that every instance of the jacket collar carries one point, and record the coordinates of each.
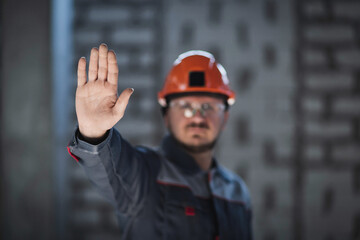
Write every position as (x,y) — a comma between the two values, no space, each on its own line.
(223,172)
(177,155)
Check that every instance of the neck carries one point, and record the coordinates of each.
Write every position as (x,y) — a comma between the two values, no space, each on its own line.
(203,159)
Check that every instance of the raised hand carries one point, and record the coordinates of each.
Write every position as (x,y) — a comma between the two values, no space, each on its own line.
(98,107)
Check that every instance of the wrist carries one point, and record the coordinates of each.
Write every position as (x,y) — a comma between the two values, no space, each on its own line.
(93,140)
(92,137)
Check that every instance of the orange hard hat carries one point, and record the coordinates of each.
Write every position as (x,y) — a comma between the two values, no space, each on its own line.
(196,72)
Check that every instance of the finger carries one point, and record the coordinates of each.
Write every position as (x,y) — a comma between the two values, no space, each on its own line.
(122,102)
(113,69)
(81,72)
(103,64)
(93,64)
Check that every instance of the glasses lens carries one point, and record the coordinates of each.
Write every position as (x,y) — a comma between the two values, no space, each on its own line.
(188,113)
(205,109)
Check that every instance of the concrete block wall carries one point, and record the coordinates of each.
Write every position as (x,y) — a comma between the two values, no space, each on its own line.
(328,139)
(27,209)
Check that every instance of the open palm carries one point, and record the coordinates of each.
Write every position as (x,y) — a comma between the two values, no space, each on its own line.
(98,107)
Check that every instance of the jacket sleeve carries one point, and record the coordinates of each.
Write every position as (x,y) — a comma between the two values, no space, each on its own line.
(119,171)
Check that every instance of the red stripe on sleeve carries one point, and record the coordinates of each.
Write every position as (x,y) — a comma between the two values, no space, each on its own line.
(72,155)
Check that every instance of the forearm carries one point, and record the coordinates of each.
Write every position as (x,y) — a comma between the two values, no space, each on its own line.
(115,167)
(90,157)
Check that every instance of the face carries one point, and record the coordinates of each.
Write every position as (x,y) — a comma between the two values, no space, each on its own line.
(193,124)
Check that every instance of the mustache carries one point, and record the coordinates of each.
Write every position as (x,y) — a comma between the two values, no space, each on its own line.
(198,125)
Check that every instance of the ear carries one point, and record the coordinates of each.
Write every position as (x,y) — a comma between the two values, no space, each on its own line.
(166,120)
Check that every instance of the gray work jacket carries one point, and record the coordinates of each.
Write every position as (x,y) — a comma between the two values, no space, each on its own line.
(163,194)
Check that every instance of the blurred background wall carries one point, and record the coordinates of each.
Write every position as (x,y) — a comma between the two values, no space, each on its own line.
(27,197)
(293,135)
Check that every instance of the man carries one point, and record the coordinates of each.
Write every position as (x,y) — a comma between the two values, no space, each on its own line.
(178,191)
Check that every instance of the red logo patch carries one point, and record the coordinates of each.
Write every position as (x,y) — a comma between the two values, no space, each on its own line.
(189,211)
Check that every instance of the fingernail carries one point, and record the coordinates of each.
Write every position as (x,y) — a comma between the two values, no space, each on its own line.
(132,90)
(83,57)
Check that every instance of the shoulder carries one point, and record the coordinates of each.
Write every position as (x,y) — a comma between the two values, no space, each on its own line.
(148,151)
(233,187)
(149,154)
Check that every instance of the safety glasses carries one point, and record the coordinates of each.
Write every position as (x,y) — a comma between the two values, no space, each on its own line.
(189,109)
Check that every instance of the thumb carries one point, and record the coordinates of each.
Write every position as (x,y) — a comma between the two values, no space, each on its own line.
(123,101)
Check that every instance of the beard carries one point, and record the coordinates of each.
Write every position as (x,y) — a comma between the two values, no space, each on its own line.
(195,149)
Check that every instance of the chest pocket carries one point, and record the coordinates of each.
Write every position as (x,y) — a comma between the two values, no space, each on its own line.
(188,216)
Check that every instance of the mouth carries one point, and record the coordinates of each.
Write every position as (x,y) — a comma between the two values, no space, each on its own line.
(197,126)
(197,130)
